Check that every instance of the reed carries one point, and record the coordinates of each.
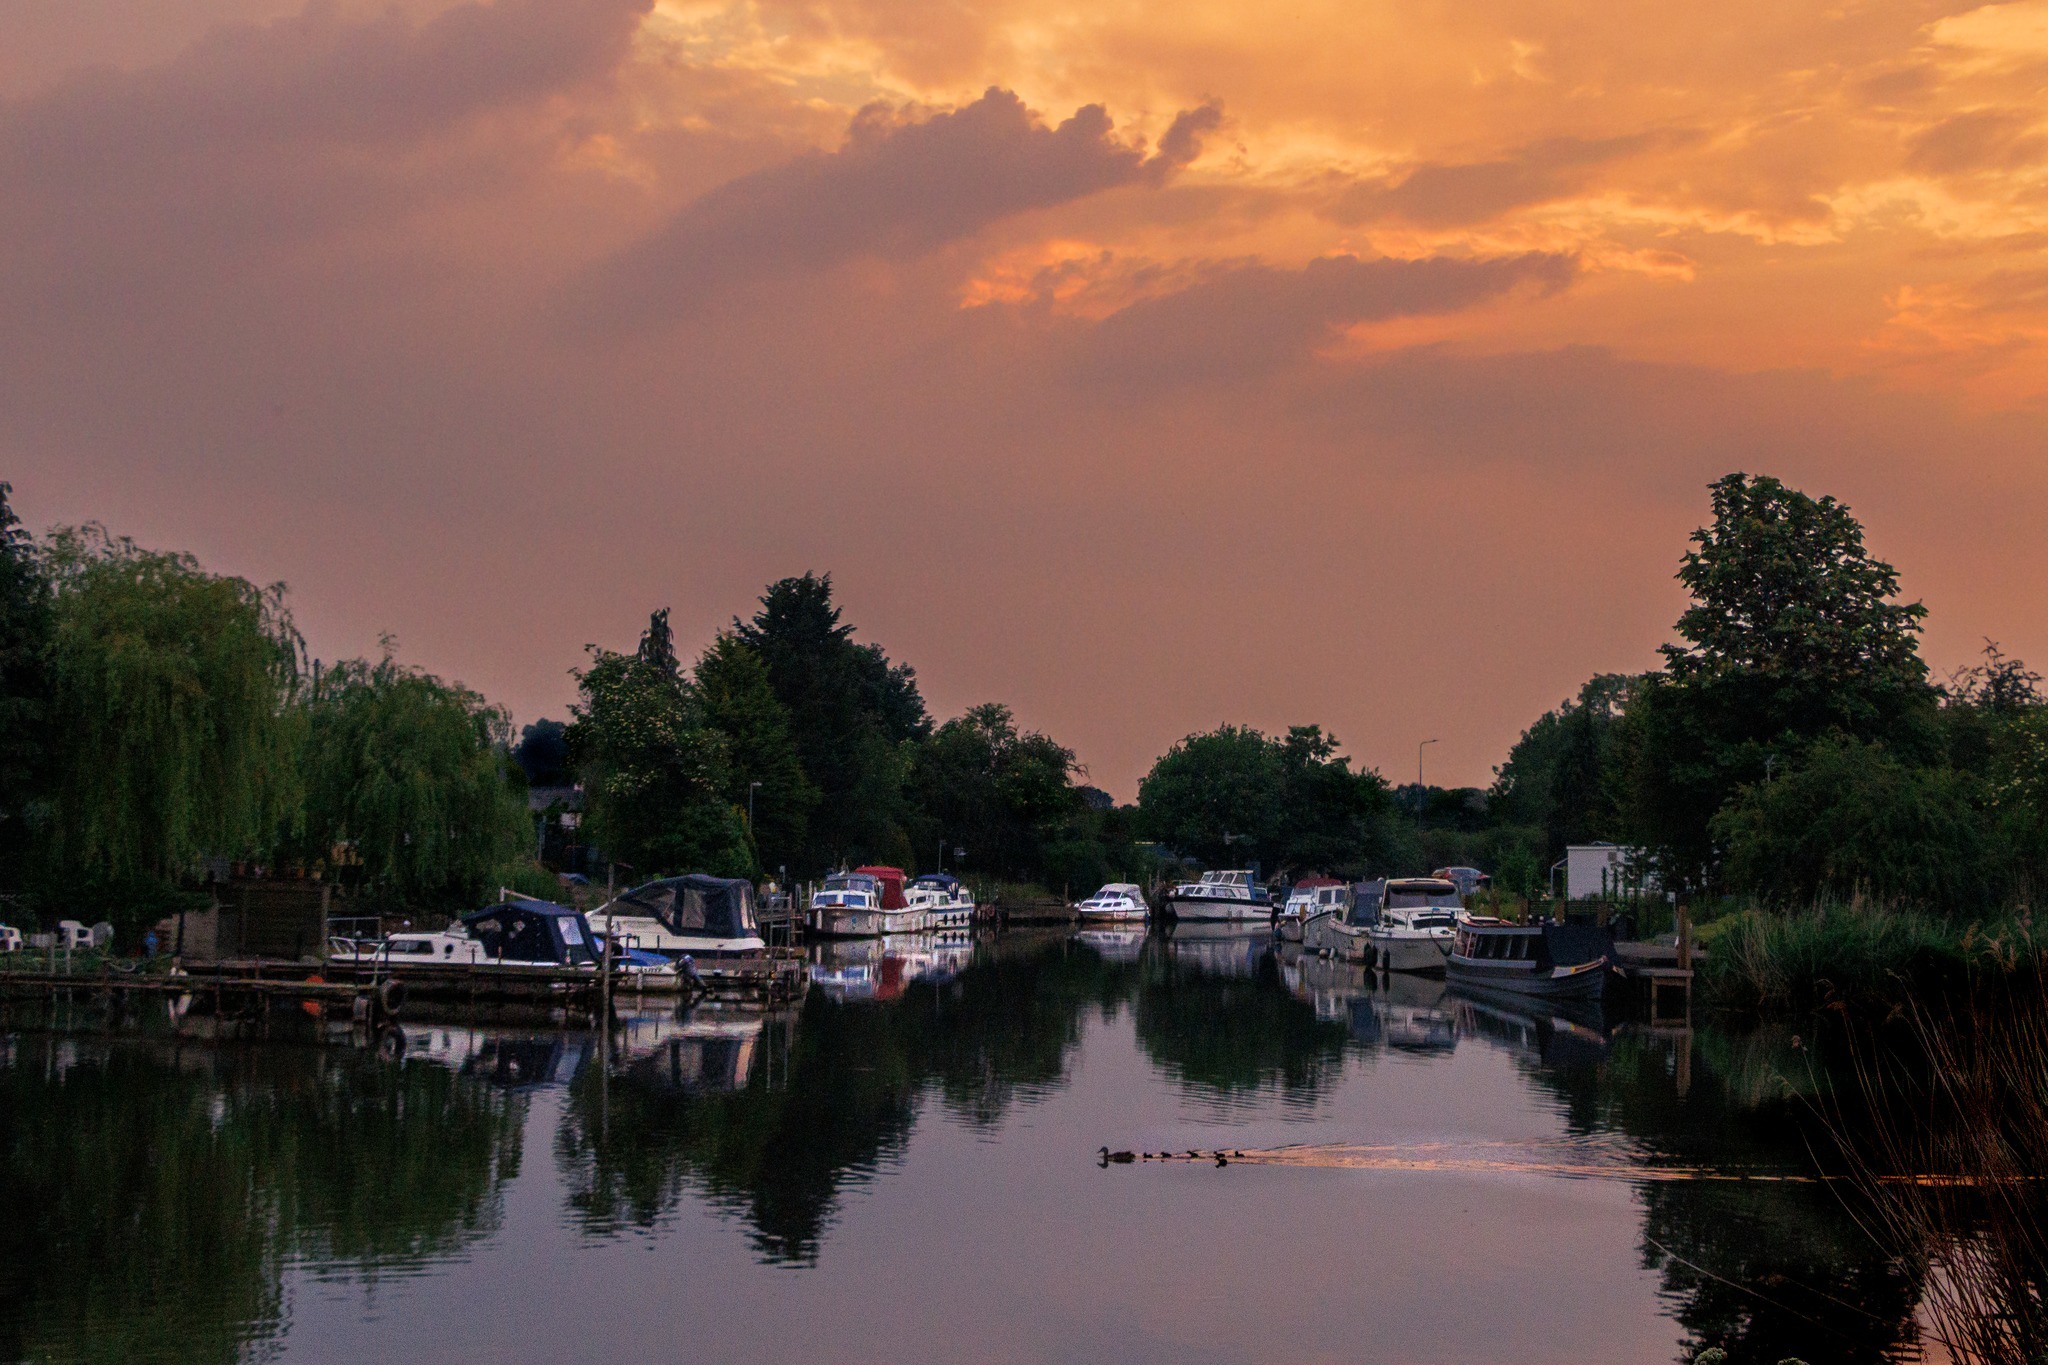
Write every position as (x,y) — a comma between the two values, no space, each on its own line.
(1949,1147)
(1859,956)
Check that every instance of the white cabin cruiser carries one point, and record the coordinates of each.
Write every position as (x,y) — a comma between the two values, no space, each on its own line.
(864,903)
(1116,903)
(1221,896)
(1418,923)
(941,899)
(1309,897)
(697,915)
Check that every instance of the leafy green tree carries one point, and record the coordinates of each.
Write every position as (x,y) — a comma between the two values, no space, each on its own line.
(853,717)
(654,775)
(737,701)
(24,692)
(1559,779)
(1216,797)
(1331,819)
(170,708)
(543,754)
(408,776)
(1851,818)
(998,791)
(1793,634)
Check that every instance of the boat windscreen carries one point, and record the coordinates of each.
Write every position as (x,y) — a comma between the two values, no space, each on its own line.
(1418,900)
(715,907)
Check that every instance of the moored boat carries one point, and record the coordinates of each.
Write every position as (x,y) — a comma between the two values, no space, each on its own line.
(1227,897)
(1116,903)
(943,901)
(1341,933)
(864,903)
(702,916)
(512,933)
(1558,961)
(1309,897)
(1418,925)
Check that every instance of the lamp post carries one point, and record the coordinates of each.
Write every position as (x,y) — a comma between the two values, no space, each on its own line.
(1420,794)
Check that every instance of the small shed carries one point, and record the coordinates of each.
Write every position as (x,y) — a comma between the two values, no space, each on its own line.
(1603,871)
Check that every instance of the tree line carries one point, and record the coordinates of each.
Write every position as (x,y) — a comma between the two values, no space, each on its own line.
(156,718)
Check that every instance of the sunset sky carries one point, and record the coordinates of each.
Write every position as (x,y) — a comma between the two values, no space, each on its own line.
(1144,366)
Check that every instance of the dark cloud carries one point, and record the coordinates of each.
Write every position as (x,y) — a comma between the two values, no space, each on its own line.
(897,190)
(1249,320)
(1981,140)
(1455,194)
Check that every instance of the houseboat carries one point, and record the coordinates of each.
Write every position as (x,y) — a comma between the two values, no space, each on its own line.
(1418,925)
(1221,896)
(1116,903)
(942,900)
(701,916)
(1556,961)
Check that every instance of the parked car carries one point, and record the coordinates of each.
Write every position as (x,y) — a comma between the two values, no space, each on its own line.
(1468,879)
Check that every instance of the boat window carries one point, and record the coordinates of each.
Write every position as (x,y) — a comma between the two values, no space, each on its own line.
(1431,921)
(1416,900)
(527,941)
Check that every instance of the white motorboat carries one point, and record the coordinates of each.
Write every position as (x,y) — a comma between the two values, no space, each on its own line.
(864,903)
(1309,897)
(1417,925)
(1341,932)
(941,899)
(1229,897)
(694,915)
(1116,903)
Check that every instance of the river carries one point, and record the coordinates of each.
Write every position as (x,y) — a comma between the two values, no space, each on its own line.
(909,1168)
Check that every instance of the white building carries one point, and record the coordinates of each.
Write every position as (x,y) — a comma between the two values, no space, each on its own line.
(1606,872)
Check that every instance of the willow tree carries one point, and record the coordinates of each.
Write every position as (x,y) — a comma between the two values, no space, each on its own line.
(173,726)
(410,778)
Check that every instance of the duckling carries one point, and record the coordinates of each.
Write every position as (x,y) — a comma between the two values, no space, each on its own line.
(1221,1160)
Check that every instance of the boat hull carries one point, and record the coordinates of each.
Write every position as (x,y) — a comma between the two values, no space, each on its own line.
(1216,910)
(846,922)
(1088,916)
(1397,952)
(1580,981)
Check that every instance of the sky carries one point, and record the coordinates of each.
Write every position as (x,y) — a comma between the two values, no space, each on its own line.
(1146,367)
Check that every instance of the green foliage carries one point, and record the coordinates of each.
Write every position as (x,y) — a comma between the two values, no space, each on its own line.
(24,691)
(654,776)
(1792,635)
(1852,818)
(543,754)
(1233,795)
(852,717)
(1855,953)
(170,709)
(408,776)
(1560,777)
(981,783)
(737,700)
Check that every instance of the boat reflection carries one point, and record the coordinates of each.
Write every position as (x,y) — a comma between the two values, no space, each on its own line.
(880,969)
(1218,949)
(1403,1012)
(698,1052)
(1556,1033)
(1123,946)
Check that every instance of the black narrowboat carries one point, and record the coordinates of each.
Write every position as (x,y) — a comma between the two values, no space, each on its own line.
(1557,961)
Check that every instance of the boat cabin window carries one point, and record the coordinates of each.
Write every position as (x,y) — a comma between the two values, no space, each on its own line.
(527,941)
(1432,921)
(1417,900)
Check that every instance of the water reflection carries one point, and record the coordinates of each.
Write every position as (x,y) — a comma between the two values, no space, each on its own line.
(160,1193)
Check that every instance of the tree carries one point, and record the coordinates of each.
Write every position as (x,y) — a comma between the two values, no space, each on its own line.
(654,777)
(543,754)
(24,691)
(1216,797)
(410,776)
(170,710)
(1331,819)
(737,700)
(852,717)
(998,791)
(1792,635)
(1851,818)
(1559,779)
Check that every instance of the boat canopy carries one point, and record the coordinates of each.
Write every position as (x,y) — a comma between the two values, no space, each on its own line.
(891,879)
(1416,893)
(939,881)
(715,907)
(1121,889)
(1316,883)
(531,931)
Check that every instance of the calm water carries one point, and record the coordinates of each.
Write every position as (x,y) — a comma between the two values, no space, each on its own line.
(908,1170)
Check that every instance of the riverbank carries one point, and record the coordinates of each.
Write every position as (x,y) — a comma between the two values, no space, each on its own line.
(1857,958)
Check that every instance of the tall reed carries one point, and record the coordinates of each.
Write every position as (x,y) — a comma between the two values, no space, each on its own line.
(1949,1146)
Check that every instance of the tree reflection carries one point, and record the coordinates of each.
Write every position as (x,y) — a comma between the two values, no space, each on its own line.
(155,1192)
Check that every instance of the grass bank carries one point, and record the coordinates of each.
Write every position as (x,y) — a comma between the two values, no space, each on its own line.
(1856,956)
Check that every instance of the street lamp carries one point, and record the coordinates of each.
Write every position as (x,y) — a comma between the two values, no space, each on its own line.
(1420,794)
(750,805)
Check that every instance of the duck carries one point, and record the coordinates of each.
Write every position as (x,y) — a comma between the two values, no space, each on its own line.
(1121,1158)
